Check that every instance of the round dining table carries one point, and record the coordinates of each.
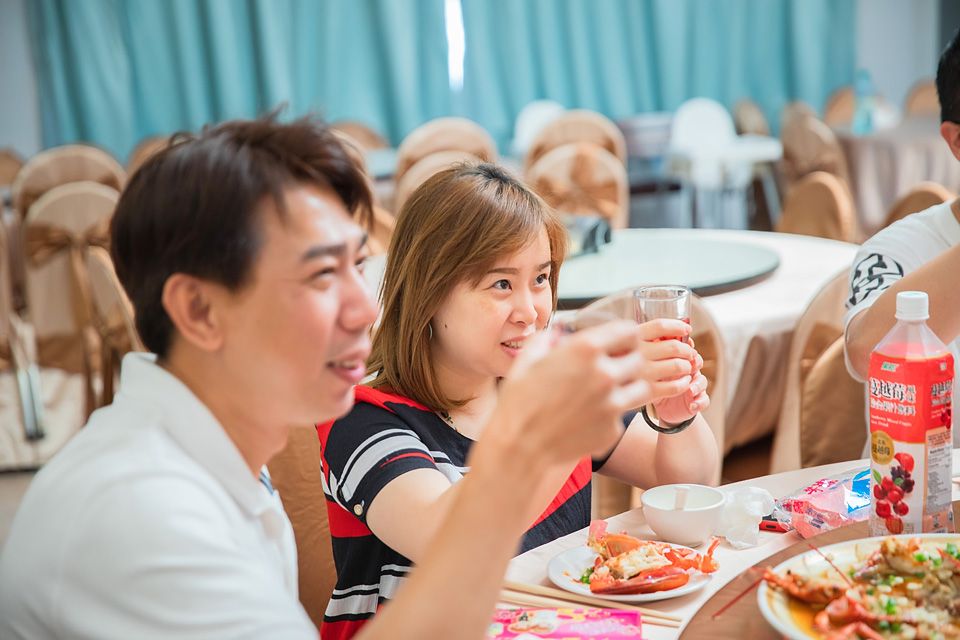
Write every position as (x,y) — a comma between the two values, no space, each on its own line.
(531,567)
(887,163)
(755,284)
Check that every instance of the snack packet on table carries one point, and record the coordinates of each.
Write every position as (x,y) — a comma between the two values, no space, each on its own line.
(602,624)
(827,504)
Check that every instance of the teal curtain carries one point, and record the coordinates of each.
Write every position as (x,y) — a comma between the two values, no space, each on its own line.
(623,57)
(112,72)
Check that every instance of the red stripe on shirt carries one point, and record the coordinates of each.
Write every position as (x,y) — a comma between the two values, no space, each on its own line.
(412,454)
(344,524)
(579,478)
(380,398)
(341,630)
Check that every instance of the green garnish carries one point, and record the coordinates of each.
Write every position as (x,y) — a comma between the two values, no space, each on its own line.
(920,556)
(585,578)
(937,562)
(884,625)
(871,591)
(952,550)
(895,627)
(890,607)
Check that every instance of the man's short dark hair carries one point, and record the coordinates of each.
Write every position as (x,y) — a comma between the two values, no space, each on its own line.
(948,81)
(195,207)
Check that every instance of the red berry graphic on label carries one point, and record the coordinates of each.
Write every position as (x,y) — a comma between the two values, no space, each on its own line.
(902,509)
(894,525)
(895,495)
(887,484)
(878,492)
(905,460)
(884,509)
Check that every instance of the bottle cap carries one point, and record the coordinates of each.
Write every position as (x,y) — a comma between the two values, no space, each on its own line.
(912,305)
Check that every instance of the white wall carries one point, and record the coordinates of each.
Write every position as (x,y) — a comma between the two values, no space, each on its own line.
(898,43)
(19,111)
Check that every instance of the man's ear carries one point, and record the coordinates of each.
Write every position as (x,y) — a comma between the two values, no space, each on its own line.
(189,303)
(950,131)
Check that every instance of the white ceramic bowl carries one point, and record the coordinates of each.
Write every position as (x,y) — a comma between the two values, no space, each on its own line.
(694,523)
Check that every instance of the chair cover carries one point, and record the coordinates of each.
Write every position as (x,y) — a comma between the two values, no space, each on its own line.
(444,134)
(832,420)
(62,165)
(60,229)
(923,196)
(20,413)
(367,138)
(840,107)
(382,231)
(749,118)
(424,169)
(145,150)
(699,123)
(819,205)
(295,473)
(579,125)
(819,326)
(810,145)
(530,122)
(10,165)
(583,178)
(114,320)
(794,110)
(923,100)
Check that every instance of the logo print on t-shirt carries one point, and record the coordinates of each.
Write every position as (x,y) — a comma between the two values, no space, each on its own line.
(873,274)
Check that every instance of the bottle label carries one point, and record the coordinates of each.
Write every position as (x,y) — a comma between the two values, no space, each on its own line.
(911,444)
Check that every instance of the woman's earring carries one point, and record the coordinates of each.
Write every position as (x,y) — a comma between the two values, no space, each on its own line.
(430,332)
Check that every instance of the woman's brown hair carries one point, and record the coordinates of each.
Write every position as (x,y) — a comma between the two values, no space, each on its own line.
(451,230)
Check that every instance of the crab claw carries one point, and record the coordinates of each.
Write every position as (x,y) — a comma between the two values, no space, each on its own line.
(690,559)
(609,545)
(662,579)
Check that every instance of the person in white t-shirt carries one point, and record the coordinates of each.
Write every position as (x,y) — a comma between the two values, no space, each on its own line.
(920,252)
(240,252)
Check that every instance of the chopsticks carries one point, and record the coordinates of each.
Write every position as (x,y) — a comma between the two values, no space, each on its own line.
(540,596)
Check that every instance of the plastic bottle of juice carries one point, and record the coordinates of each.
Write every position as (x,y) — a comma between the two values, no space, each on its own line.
(911,440)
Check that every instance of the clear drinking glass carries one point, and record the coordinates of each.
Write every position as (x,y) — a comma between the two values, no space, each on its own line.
(662,301)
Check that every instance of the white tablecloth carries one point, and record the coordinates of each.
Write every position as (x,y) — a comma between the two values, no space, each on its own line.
(886,164)
(531,567)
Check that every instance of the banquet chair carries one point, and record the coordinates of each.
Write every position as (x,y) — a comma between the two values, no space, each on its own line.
(367,138)
(533,117)
(425,168)
(833,425)
(10,165)
(63,165)
(794,110)
(61,228)
(710,345)
(818,327)
(923,100)
(144,150)
(749,118)
(21,420)
(444,134)
(578,125)
(583,179)
(922,196)
(114,320)
(819,205)
(295,474)
(809,145)
(383,224)
(840,107)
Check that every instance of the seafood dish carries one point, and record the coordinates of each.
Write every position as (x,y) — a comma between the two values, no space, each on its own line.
(878,589)
(627,565)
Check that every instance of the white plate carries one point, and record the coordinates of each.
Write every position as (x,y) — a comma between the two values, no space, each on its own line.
(566,568)
(774,604)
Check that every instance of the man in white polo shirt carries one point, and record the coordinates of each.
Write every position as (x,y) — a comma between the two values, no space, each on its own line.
(920,252)
(240,254)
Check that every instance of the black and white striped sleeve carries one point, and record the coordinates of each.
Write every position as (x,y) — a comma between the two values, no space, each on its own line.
(364,451)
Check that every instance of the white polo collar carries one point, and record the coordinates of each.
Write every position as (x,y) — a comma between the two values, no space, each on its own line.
(150,388)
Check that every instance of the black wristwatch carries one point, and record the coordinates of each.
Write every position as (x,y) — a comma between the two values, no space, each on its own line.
(665,427)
